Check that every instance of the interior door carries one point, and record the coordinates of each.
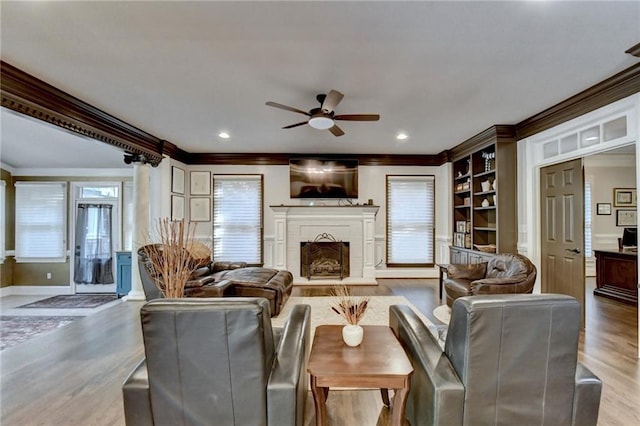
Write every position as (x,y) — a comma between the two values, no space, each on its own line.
(562,227)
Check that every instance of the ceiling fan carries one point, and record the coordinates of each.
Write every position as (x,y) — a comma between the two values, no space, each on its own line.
(324,117)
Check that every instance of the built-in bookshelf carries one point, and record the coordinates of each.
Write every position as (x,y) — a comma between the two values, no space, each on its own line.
(484,196)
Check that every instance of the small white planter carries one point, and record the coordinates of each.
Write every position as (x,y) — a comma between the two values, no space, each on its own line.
(352,334)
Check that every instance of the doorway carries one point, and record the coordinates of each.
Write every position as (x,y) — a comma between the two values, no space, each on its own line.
(96,227)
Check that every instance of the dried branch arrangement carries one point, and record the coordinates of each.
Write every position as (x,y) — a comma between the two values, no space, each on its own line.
(171,260)
(352,309)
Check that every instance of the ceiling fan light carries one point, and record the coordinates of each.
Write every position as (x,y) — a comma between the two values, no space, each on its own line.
(321,123)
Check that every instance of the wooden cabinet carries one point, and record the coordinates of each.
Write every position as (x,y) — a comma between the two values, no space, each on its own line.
(484,196)
(123,264)
(617,275)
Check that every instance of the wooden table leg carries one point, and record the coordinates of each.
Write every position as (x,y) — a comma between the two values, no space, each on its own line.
(320,402)
(440,278)
(385,396)
(399,404)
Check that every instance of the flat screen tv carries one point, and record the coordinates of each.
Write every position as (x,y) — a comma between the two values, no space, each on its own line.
(323,178)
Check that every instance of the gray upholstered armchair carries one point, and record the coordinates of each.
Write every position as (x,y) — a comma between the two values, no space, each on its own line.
(217,361)
(504,273)
(507,360)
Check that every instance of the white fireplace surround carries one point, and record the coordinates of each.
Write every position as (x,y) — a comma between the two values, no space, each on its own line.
(355,224)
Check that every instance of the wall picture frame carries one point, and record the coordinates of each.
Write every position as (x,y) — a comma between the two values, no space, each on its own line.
(177,207)
(200,183)
(177,180)
(603,209)
(625,197)
(200,209)
(626,218)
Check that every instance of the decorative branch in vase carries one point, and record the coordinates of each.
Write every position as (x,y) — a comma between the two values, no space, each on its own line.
(171,258)
(352,309)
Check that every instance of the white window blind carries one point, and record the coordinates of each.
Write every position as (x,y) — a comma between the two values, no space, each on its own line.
(410,220)
(237,218)
(587,216)
(41,221)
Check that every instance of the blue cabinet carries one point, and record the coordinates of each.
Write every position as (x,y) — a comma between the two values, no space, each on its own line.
(123,264)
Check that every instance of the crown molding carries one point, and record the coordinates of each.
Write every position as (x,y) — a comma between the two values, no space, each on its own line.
(619,86)
(24,93)
(634,50)
(277,159)
(499,133)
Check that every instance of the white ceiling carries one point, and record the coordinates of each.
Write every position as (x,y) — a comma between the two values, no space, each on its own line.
(440,71)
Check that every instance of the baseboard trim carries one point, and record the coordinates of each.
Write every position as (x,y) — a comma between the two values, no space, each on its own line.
(35,290)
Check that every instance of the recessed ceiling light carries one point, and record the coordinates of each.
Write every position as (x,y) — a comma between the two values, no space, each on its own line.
(224,135)
(402,136)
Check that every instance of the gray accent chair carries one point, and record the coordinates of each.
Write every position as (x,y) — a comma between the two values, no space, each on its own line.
(218,361)
(507,360)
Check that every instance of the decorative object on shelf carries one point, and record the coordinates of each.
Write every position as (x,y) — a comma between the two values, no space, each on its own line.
(485,203)
(495,184)
(488,158)
(603,208)
(486,185)
(495,200)
(487,248)
(460,174)
(352,309)
(624,197)
(467,201)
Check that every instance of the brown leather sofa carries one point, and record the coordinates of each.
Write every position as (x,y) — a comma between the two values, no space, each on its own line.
(225,279)
(508,359)
(233,369)
(504,273)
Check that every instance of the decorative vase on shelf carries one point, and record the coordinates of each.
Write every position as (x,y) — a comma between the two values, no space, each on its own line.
(485,203)
(486,186)
(352,334)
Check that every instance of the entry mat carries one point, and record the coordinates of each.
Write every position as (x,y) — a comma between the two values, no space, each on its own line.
(73,301)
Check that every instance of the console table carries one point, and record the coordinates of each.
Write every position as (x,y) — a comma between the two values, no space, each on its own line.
(617,275)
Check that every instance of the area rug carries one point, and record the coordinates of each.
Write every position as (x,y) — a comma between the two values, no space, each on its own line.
(74,301)
(321,313)
(442,313)
(18,329)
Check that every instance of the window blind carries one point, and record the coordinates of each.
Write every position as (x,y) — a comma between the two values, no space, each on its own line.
(410,220)
(41,221)
(237,218)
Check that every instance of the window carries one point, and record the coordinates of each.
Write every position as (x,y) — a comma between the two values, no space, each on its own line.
(237,218)
(587,216)
(41,221)
(410,220)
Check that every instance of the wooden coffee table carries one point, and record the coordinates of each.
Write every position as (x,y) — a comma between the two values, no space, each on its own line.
(379,362)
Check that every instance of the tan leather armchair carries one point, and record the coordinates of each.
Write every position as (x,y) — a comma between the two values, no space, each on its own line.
(508,359)
(504,273)
(219,362)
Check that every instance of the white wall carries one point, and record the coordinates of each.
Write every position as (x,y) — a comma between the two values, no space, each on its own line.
(607,172)
(371,185)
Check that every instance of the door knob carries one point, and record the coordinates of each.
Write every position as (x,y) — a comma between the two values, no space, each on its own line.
(574,250)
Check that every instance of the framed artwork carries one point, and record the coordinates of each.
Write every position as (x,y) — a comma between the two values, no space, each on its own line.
(200,183)
(177,180)
(177,207)
(603,208)
(200,209)
(626,218)
(624,197)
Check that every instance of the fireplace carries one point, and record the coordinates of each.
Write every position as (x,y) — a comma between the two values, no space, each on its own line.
(324,258)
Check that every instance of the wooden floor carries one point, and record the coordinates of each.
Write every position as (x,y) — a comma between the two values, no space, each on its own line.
(73,376)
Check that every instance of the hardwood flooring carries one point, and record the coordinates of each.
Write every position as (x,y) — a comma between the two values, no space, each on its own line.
(73,376)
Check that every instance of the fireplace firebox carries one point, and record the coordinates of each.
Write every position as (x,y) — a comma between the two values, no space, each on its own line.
(324,258)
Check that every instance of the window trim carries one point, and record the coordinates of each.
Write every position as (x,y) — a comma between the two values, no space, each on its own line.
(387,211)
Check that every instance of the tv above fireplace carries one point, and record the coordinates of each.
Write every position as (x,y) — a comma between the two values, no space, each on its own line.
(323,178)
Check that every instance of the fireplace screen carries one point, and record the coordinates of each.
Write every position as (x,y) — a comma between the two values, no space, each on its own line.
(324,258)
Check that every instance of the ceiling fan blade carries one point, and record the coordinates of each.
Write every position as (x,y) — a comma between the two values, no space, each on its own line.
(295,125)
(332,100)
(337,131)
(285,107)
(357,117)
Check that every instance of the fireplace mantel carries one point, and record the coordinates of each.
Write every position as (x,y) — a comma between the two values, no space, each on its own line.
(356,224)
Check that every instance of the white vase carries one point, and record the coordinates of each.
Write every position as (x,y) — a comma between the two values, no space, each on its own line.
(352,334)
(486,186)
